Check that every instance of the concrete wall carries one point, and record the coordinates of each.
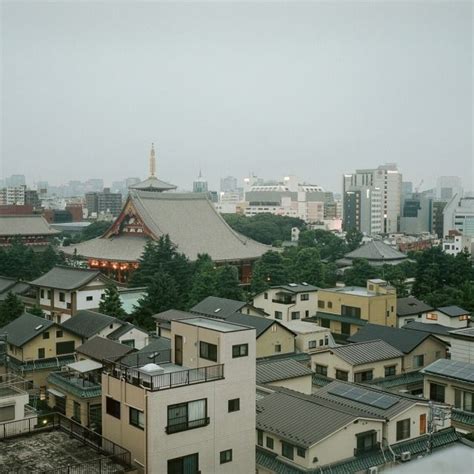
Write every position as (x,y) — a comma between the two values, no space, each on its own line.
(432,349)
(298,384)
(274,335)
(140,337)
(302,340)
(435,317)
(462,350)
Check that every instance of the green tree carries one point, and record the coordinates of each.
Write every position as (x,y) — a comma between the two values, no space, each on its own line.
(353,239)
(271,269)
(359,273)
(204,280)
(228,284)
(307,267)
(11,308)
(330,246)
(111,303)
(37,311)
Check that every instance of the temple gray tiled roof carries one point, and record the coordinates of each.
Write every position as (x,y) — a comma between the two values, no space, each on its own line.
(376,250)
(68,278)
(25,225)
(366,352)
(153,184)
(24,328)
(283,369)
(88,323)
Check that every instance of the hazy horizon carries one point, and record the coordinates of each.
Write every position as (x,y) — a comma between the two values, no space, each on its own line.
(309,89)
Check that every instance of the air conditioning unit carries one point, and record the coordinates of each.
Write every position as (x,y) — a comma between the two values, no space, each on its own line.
(405,456)
(373,470)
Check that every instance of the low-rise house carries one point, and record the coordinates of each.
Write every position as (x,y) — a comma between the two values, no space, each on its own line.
(452,382)
(449,316)
(285,373)
(343,427)
(87,324)
(215,307)
(75,391)
(101,349)
(37,346)
(163,320)
(14,404)
(358,362)
(438,330)
(288,302)
(411,309)
(309,336)
(419,348)
(462,345)
(63,291)
(17,287)
(156,351)
(185,415)
(345,309)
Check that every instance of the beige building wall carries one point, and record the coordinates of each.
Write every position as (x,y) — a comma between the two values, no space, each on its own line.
(431,349)
(302,340)
(298,384)
(449,387)
(273,336)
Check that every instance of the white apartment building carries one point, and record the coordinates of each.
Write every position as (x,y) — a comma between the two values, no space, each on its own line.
(13,196)
(193,414)
(459,215)
(288,302)
(456,243)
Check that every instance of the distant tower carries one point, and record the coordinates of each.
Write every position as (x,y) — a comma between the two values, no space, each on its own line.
(152,161)
(200,185)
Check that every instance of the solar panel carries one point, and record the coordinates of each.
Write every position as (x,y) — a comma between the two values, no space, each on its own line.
(367,397)
(451,368)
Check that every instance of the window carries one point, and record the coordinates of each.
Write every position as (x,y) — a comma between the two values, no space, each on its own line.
(366,441)
(301,452)
(351,311)
(64,347)
(112,407)
(187,416)
(418,360)
(208,351)
(432,316)
(7,413)
(304,297)
(325,323)
(468,401)
(59,333)
(76,410)
(403,429)
(364,376)
(46,335)
(278,315)
(287,450)
(277,347)
(41,353)
(234,405)
(464,317)
(260,437)
(295,315)
(89,298)
(345,329)
(437,392)
(62,297)
(265,295)
(321,342)
(136,418)
(329,304)
(240,350)
(226,456)
(312,344)
(49,294)
(321,370)
(184,465)
(342,375)
(321,304)
(270,443)
(42,294)
(390,370)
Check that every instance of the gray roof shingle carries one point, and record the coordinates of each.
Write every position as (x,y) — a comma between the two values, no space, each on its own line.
(453,311)
(165,317)
(410,306)
(437,329)
(123,329)
(218,307)
(25,225)
(24,328)
(68,278)
(366,352)
(152,183)
(88,323)
(260,323)
(100,349)
(272,371)
(156,351)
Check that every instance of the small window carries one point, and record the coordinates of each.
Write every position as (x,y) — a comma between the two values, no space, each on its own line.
(270,443)
(234,405)
(390,370)
(240,350)
(325,323)
(403,429)
(226,456)
(277,347)
(41,353)
(437,392)
(287,450)
(89,298)
(59,333)
(364,376)
(137,418)
(419,360)
(62,297)
(342,375)
(112,407)
(304,297)
(320,304)
(42,294)
(295,315)
(265,295)
(76,410)
(49,294)
(321,370)
(321,342)
(208,351)
(260,437)
(432,316)
(312,344)
(46,335)
(329,304)
(301,452)
(278,315)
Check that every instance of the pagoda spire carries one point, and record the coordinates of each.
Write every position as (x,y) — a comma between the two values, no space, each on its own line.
(152,161)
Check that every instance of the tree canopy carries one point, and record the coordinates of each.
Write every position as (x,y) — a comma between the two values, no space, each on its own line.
(10,308)
(111,303)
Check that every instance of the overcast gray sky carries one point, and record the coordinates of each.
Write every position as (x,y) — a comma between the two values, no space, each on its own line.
(312,89)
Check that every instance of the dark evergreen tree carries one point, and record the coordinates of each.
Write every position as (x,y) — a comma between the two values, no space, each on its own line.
(228,284)
(111,303)
(10,308)
(36,310)
(353,239)
(204,280)
(271,269)
(307,267)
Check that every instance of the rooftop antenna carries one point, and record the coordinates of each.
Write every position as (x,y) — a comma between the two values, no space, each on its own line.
(152,161)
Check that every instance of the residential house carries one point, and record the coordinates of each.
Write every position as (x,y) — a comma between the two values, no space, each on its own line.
(462,345)
(285,373)
(453,316)
(452,382)
(419,348)
(309,336)
(411,309)
(37,346)
(272,336)
(344,310)
(75,392)
(184,415)
(156,351)
(358,362)
(215,307)
(17,287)
(438,330)
(63,291)
(101,349)
(288,302)
(357,426)
(87,324)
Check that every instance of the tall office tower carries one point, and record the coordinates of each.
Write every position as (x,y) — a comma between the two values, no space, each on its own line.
(200,185)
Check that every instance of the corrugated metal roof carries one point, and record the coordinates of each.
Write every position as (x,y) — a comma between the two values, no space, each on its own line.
(365,352)
(272,371)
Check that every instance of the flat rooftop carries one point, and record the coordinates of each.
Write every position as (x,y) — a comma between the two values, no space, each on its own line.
(50,450)
(352,290)
(215,325)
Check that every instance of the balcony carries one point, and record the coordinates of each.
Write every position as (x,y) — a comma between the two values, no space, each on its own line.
(75,385)
(185,425)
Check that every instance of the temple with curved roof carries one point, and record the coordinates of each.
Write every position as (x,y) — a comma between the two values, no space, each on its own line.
(376,253)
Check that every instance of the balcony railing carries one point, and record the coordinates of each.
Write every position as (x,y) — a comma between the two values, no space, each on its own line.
(184,425)
(167,380)
(74,384)
(283,301)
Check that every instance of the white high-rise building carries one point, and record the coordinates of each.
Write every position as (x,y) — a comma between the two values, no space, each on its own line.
(459,215)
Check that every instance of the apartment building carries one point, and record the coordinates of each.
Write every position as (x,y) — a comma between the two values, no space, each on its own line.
(358,362)
(456,243)
(343,310)
(309,336)
(65,290)
(195,413)
(459,215)
(288,302)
